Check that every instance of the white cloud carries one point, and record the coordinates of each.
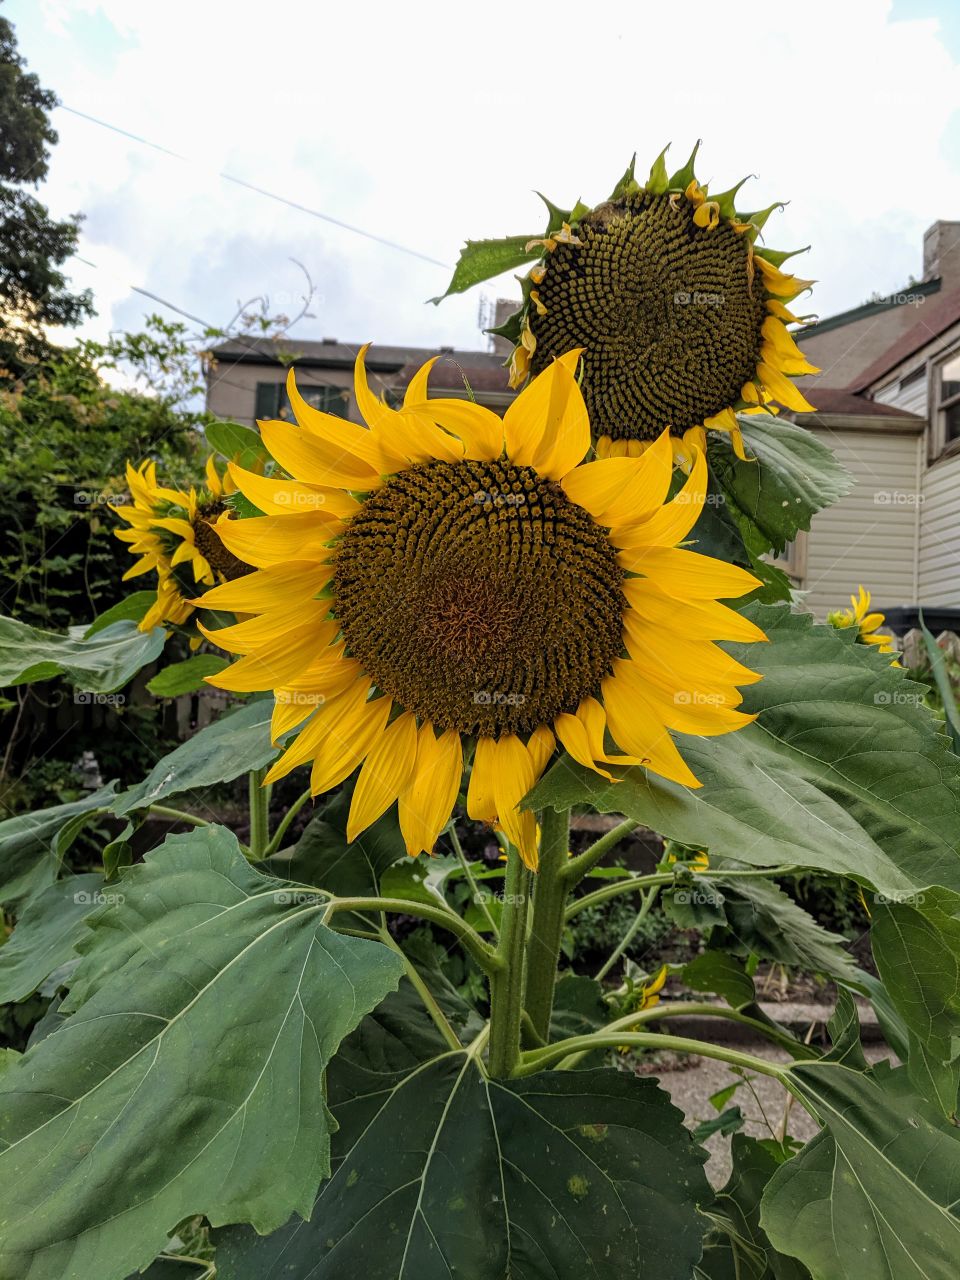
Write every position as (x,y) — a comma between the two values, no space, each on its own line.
(428,123)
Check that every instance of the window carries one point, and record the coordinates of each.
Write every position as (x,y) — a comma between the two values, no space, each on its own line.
(272,400)
(793,559)
(948,400)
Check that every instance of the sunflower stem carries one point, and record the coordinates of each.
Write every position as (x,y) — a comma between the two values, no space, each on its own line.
(578,867)
(647,902)
(506,984)
(539,1059)
(549,905)
(479,898)
(284,824)
(423,991)
(259,813)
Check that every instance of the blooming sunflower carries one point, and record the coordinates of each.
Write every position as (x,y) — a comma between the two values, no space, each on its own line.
(446,585)
(868,624)
(681,313)
(169,529)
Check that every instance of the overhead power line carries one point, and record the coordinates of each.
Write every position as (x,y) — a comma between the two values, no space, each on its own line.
(262,191)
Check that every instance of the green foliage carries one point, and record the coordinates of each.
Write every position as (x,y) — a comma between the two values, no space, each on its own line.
(33,246)
(249,1014)
(484,259)
(102,663)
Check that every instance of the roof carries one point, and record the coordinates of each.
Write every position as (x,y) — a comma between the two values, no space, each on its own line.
(381,359)
(938,316)
(833,400)
(903,297)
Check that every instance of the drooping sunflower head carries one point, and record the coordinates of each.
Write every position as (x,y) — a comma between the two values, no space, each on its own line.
(680,310)
(868,624)
(445,586)
(171,533)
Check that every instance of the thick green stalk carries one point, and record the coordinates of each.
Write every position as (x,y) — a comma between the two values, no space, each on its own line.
(546,932)
(259,813)
(540,1059)
(285,821)
(481,951)
(506,984)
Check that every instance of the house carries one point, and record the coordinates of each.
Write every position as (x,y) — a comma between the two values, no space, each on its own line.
(887,402)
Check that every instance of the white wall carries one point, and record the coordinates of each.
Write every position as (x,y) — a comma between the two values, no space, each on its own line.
(940,534)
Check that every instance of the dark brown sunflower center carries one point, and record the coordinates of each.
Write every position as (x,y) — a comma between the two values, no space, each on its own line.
(220,560)
(666,310)
(477,595)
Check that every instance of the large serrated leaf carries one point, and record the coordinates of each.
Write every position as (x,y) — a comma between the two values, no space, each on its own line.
(442,1172)
(844,769)
(101,663)
(791,475)
(190,1081)
(29,849)
(236,743)
(484,259)
(46,933)
(875,1194)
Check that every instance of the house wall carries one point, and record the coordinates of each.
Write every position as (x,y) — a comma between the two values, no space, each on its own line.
(871,535)
(232,387)
(940,533)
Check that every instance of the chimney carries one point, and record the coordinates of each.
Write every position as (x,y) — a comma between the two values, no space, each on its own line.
(941,253)
(503,311)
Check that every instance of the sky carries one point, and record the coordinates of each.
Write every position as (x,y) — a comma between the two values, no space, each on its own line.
(427,124)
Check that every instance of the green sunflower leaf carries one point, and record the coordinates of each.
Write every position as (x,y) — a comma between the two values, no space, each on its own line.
(100,663)
(484,259)
(236,743)
(441,1172)
(46,933)
(187,676)
(844,769)
(875,1193)
(31,844)
(191,1080)
(132,609)
(795,475)
(738,1249)
(234,441)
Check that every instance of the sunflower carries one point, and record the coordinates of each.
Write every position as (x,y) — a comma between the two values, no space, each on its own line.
(447,585)
(868,624)
(681,313)
(169,529)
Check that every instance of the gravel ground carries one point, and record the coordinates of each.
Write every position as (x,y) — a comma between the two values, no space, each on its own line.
(690,1088)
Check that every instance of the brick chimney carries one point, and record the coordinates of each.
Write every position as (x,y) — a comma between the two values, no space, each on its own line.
(941,253)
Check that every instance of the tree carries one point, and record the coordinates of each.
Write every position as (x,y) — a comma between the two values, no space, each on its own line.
(33,245)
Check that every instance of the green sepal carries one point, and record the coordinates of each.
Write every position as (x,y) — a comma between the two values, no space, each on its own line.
(658,181)
(483,259)
(779,256)
(510,329)
(683,177)
(627,185)
(557,216)
(727,199)
(759,217)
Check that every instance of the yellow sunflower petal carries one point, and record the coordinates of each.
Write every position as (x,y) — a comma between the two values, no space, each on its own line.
(281,584)
(347,742)
(384,774)
(344,438)
(638,729)
(547,426)
(782,389)
(287,497)
(617,490)
(267,540)
(337,711)
(514,775)
(431,792)
(707,618)
(481,805)
(672,522)
(479,429)
(254,633)
(687,575)
(272,667)
(308,457)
